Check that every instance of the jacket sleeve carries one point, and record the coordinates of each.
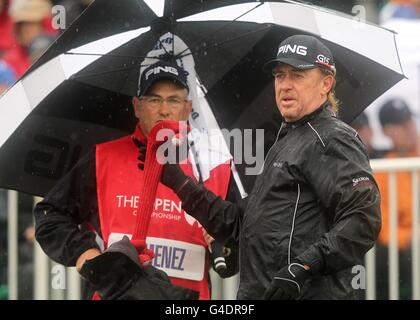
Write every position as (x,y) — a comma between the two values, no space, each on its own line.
(221,219)
(232,260)
(341,176)
(58,216)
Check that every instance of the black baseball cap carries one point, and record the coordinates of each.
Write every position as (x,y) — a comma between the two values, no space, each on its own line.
(302,52)
(394,111)
(161,70)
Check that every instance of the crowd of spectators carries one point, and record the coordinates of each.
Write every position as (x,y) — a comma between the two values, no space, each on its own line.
(27,30)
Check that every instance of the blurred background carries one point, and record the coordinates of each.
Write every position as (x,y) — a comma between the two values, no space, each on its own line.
(389,129)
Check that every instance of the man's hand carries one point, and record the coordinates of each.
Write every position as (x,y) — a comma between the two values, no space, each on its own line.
(29,234)
(209,241)
(172,175)
(111,272)
(208,238)
(287,283)
(118,274)
(87,255)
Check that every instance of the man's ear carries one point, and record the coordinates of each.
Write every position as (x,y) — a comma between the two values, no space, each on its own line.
(136,105)
(187,110)
(189,106)
(328,83)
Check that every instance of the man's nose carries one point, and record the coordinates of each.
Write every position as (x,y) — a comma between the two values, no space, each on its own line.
(164,108)
(284,83)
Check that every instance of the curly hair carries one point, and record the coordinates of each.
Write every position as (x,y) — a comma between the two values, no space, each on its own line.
(333,101)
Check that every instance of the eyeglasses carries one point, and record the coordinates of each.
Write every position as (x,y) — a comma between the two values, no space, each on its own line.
(155,101)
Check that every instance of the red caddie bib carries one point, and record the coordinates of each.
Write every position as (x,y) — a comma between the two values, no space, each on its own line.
(175,237)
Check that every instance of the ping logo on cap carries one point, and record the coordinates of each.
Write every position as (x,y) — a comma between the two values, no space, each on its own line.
(159,69)
(299,49)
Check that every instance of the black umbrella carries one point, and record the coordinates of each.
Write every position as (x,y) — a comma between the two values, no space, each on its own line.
(87,99)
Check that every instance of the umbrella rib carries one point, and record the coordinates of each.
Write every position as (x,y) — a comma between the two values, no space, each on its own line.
(173,27)
(224,26)
(109,71)
(239,37)
(107,55)
(163,47)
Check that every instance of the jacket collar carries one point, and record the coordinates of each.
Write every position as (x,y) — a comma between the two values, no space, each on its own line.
(139,135)
(320,110)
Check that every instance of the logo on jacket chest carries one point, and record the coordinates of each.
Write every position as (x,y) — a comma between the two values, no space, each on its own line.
(278,164)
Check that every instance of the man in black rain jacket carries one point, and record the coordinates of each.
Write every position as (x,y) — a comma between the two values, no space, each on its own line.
(314,211)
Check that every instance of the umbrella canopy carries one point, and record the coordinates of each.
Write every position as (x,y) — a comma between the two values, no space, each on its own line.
(80,89)
(96,23)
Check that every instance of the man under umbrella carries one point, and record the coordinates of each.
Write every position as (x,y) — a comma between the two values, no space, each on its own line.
(314,211)
(101,193)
